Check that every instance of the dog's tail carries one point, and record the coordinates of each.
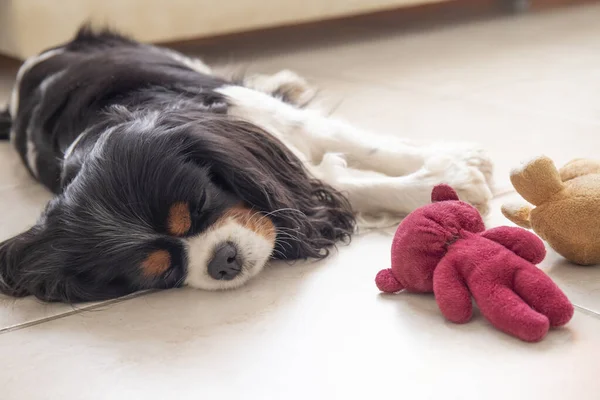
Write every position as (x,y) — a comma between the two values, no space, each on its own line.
(5,124)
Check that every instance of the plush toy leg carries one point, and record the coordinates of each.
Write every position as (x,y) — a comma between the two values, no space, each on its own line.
(509,313)
(538,290)
(579,167)
(387,282)
(518,214)
(537,180)
(451,293)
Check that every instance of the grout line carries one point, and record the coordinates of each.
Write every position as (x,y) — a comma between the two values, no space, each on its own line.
(90,307)
(587,311)
(506,193)
(503,191)
(16,327)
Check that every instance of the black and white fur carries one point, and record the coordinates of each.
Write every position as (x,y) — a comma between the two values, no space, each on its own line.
(148,152)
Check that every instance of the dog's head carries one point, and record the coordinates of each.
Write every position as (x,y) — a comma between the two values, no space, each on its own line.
(161,201)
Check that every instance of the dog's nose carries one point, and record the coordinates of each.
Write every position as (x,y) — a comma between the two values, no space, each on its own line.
(225,264)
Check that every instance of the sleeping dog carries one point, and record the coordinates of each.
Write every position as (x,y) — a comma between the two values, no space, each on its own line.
(169,174)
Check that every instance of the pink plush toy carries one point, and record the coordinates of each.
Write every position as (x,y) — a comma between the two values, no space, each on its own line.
(444,248)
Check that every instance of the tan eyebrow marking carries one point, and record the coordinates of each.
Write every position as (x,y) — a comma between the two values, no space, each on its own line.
(156,263)
(179,220)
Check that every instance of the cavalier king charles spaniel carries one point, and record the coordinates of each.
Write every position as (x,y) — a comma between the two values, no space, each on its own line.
(169,174)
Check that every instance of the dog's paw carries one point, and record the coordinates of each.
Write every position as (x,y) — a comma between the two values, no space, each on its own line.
(332,167)
(461,153)
(479,159)
(468,170)
(293,88)
(286,85)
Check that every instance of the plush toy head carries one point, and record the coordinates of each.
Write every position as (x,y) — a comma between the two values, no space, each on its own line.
(567,206)
(444,248)
(421,240)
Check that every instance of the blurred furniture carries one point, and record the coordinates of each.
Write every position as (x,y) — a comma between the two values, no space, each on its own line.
(28,26)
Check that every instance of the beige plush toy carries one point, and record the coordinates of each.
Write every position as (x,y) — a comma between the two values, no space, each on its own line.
(567,206)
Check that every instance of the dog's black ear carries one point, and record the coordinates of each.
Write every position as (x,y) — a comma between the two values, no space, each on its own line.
(32,263)
(261,171)
(29,265)
(12,256)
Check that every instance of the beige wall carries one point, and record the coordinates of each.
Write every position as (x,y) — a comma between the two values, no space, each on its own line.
(28,26)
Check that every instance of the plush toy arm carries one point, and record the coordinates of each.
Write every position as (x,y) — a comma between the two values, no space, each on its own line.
(451,293)
(518,214)
(521,242)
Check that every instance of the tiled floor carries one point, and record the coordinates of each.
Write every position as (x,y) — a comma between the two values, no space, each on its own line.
(520,86)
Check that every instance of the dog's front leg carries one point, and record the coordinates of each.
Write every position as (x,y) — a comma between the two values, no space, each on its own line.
(379,174)
(315,135)
(373,195)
